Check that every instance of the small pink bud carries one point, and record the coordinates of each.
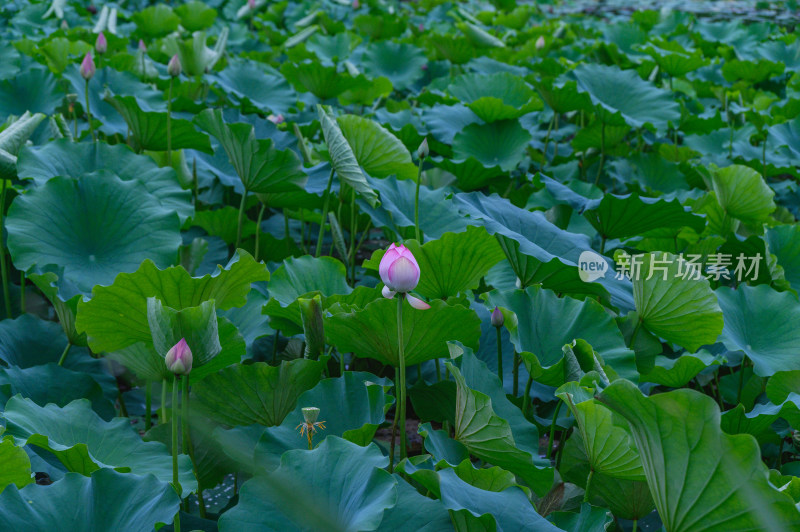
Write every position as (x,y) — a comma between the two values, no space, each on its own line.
(142,47)
(276,119)
(497,318)
(101,44)
(423,150)
(87,67)
(425,66)
(179,358)
(251,4)
(174,66)
(356,4)
(540,42)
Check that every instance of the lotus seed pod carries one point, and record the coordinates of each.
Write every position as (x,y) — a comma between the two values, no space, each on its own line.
(310,414)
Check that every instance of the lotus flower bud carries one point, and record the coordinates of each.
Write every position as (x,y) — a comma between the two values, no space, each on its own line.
(310,414)
(497,318)
(423,150)
(540,42)
(276,119)
(142,47)
(87,67)
(179,358)
(101,44)
(174,66)
(356,4)
(399,271)
(64,25)
(251,4)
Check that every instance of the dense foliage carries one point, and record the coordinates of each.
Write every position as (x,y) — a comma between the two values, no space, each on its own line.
(592,322)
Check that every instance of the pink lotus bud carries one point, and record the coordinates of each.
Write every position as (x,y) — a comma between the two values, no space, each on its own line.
(142,47)
(174,66)
(276,119)
(425,66)
(540,42)
(497,318)
(101,44)
(251,4)
(87,67)
(423,150)
(356,4)
(179,358)
(399,269)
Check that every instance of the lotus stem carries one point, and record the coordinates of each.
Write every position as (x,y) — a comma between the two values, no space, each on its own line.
(515,371)
(89,112)
(22,292)
(169,122)
(394,424)
(325,205)
(185,415)
(552,431)
(163,417)
(547,138)
(258,227)
(526,399)
(402,359)
(635,525)
(241,220)
(499,356)
(148,405)
(602,151)
(417,232)
(175,482)
(741,380)
(64,354)
(588,485)
(353,227)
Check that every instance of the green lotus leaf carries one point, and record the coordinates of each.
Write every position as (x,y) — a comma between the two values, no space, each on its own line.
(544,323)
(759,321)
(116,316)
(626,216)
(12,138)
(93,227)
(343,159)
(562,96)
(70,159)
(156,21)
(445,121)
(84,443)
(758,421)
(371,332)
(260,166)
(351,495)
(673,59)
(352,406)
(331,49)
(680,310)
(751,71)
(118,501)
(713,479)
(590,519)
(301,275)
(677,372)
(400,63)
(257,393)
(195,56)
(414,511)
(742,193)
(622,96)
(196,15)
(322,81)
(492,97)
(250,84)
(500,143)
(379,153)
(16,465)
(469,173)
(489,437)
(149,129)
(33,90)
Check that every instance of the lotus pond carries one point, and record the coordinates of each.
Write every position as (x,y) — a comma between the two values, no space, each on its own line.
(399,266)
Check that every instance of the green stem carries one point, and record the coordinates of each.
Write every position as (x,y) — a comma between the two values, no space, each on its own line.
(547,138)
(719,391)
(353,227)
(515,369)
(341,364)
(258,227)
(438,370)
(169,123)
(275,348)
(564,435)
(417,231)
(741,380)
(325,205)
(402,359)
(635,333)
(163,417)
(555,146)
(394,423)
(526,399)
(185,415)
(553,431)
(588,485)
(64,354)
(3,266)
(764,156)
(603,245)
(241,220)
(175,483)
(123,410)
(602,151)
(194,182)
(22,292)
(89,112)
(148,405)
(777,464)
(499,356)
(635,525)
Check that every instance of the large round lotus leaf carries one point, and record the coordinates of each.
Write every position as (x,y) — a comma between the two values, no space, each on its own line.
(337,486)
(379,152)
(497,96)
(762,323)
(400,63)
(500,143)
(34,90)
(742,193)
(248,83)
(94,228)
(75,159)
(623,92)
(84,443)
(106,501)
(301,275)
(680,310)
(700,478)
